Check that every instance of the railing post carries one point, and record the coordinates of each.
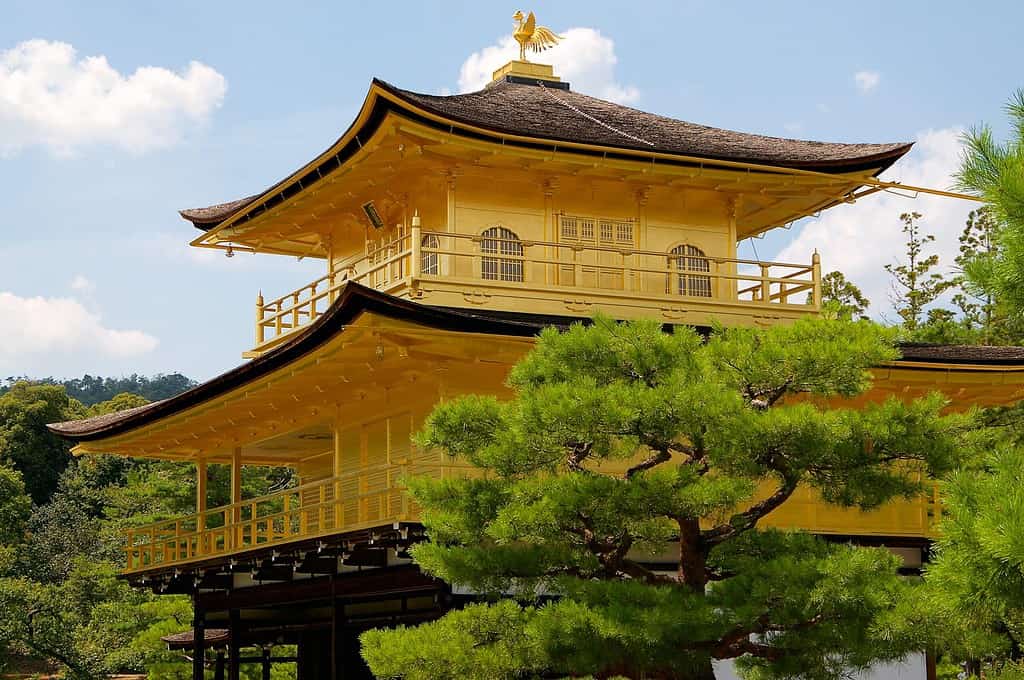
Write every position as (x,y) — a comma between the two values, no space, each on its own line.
(766,290)
(260,331)
(577,267)
(417,244)
(816,276)
(228,528)
(130,549)
(336,469)
(236,498)
(321,514)
(253,535)
(286,525)
(295,310)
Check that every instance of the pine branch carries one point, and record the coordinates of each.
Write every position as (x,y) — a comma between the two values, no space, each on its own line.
(748,519)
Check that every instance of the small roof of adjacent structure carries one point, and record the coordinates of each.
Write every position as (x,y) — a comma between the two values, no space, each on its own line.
(212,637)
(354,300)
(544,116)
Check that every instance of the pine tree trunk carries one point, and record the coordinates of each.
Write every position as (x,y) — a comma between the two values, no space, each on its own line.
(692,566)
(693,572)
(705,671)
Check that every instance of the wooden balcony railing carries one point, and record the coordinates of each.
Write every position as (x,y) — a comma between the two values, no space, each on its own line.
(368,497)
(527,268)
(376,496)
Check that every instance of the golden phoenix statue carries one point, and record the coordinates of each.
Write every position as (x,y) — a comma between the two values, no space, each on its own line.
(528,34)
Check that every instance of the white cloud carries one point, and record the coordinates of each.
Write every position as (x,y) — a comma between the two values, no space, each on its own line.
(585,58)
(867,80)
(860,239)
(49,97)
(51,327)
(82,284)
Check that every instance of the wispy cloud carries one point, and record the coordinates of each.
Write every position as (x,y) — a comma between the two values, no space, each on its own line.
(52,98)
(585,58)
(82,284)
(50,327)
(867,80)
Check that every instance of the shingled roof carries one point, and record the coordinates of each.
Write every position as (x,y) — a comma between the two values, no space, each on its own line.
(354,299)
(556,116)
(962,354)
(563,115)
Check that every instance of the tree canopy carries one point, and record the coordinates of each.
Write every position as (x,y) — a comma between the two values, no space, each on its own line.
(621,441)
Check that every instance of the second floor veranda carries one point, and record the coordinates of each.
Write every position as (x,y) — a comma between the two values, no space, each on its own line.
(359,507)
(496,270)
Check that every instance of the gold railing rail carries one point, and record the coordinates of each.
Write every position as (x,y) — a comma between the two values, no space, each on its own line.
(368,497)
(483,261)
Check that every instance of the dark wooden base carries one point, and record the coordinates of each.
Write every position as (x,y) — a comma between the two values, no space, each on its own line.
(322,616)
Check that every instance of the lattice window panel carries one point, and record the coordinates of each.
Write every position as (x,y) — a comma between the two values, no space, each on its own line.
(503,255)
(603,231)
(686,259)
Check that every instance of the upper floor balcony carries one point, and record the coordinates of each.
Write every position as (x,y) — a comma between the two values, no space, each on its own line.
(593,267)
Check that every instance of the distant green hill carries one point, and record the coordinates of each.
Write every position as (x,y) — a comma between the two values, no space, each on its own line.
(91,389)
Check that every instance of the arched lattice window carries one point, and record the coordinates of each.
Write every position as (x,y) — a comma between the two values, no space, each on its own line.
(502,255)
(686,259)
(429,263)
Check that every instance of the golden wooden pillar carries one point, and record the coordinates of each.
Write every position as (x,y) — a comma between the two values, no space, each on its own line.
(336,470)
(201,481)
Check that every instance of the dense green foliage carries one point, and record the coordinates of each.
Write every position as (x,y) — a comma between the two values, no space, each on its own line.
(971,608)
(618,440)
(91,390)
(60,599)
(25,443)
(842,297)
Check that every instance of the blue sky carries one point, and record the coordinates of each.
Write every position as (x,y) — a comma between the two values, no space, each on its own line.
(95,275)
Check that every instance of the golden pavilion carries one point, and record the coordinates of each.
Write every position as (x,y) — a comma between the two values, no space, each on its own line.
(452,229)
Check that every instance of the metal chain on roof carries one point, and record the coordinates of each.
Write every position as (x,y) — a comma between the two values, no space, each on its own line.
(586,115)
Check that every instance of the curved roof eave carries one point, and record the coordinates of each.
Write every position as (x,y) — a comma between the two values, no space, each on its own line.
(383,98)
(353,300)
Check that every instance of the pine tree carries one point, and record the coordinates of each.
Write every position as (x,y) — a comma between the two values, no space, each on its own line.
(995,172)
(915,285)
(973,600)
(980,306)
(842,297)
(621,441)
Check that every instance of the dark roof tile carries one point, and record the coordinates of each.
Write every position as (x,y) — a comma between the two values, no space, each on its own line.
(961,354)
(564,115)
(187,639)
